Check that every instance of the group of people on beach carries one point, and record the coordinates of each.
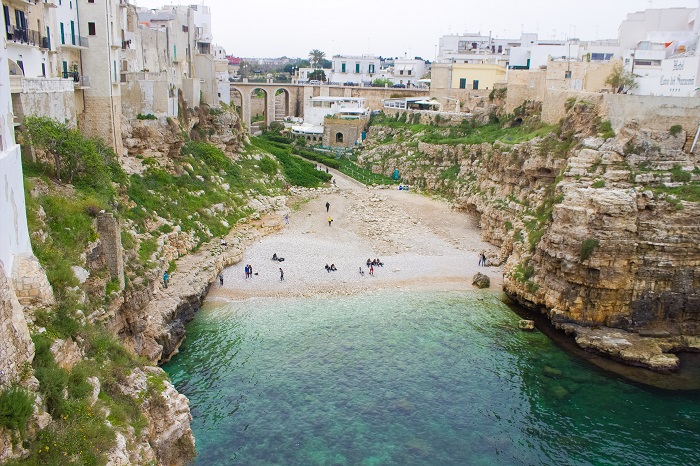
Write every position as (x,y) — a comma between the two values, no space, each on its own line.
(248,271)
(482,259)
(331,268)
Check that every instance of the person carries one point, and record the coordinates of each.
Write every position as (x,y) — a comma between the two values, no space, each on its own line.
(246,271)
(221,279)
(250,270)
(333,267)
(223,243)
(369,262)
(379,263)
(326,169)
(328,269)
(166,277)
(274,256)
(281,274)
(328,206)
(330,220)
(286,219)
(371,270)
(361,272)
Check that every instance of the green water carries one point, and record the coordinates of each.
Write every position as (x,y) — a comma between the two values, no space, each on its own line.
(412,378)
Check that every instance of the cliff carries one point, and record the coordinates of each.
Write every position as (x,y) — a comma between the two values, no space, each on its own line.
(594,232)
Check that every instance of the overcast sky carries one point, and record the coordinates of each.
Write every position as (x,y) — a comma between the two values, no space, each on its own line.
(275,28)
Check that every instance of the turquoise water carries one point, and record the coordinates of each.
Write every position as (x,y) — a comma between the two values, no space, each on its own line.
(412,378)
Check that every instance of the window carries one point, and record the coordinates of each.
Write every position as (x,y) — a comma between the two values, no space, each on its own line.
(462,83)
(63,36)
(408,72)
(339,137)
(475,84)
(371,68)
(357,67)
(342,67)
(401,72)
(91,1)
(72,32)
(185,28)
(91,29)
(43,70)
(567,74)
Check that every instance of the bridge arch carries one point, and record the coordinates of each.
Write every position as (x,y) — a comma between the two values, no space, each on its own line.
(281,100)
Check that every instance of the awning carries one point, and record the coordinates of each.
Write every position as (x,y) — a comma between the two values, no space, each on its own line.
(426,81)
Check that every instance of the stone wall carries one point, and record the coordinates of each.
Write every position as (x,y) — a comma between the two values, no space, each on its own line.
(145,96)
(29,280)
(111,242)
(102,118)
(656,113)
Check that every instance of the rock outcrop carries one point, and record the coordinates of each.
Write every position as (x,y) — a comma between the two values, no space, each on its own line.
(16,346)
(593,232)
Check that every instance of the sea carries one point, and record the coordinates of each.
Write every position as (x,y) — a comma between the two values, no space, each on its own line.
(412,378)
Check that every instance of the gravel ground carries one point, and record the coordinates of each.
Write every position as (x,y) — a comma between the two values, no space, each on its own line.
(422,242)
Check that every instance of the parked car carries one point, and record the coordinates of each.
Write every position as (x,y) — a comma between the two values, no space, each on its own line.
(349,83)
(314,82)
(399,85)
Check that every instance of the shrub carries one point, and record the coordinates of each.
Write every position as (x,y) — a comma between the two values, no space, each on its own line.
(509,226)
(605,129)
(16,406)
(598,184)
(679,175)
(268,166)
(210,154)
(587,248)
(675,130)
(148,116)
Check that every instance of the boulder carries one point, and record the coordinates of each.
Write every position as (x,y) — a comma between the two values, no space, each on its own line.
(481,281)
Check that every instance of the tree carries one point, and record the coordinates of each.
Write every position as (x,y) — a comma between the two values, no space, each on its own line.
(381,82)
(621,80)
(317,75)
(316,56)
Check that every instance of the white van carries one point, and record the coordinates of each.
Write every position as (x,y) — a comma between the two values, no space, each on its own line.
(314,82)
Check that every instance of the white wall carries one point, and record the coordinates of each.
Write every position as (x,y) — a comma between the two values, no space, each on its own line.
(14,235)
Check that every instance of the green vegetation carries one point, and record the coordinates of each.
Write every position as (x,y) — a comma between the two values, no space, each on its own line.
(467,132)
(16,406)
(76,159)
(587,248)
(689,192)
(675,130)
(605,129)
(148,116)
(498,94)
(297,171)
(678,175)
(382,82)
(508,225)
(598,184)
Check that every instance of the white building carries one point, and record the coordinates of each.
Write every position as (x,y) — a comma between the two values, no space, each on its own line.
(660,49)
(14,235)
(317,108)
(408,71)
(358,70)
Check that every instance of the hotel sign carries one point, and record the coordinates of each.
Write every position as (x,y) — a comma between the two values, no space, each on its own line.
(679,76)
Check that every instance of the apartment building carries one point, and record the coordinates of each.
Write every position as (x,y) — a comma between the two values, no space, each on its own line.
(408,71)
(355,69)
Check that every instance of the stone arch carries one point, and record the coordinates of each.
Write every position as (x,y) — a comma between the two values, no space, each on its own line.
(237,100)
(281,104)
(259,106)
(338,137)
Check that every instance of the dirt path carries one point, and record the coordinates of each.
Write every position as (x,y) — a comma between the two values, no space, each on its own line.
(422,242)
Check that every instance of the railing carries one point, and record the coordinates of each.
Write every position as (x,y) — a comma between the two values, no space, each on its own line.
(78,81)
(72,39)
(23,36)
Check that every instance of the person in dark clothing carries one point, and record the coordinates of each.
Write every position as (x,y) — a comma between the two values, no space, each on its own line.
(328,206)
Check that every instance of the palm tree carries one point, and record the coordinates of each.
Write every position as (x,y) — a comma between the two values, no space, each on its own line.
(316,56)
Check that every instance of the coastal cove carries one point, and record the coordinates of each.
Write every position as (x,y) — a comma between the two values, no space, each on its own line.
(402,367)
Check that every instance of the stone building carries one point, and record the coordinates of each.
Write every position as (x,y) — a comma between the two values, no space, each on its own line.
(343,132)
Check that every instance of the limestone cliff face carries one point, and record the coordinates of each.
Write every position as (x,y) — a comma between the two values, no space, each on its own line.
(595,232)
(16,347)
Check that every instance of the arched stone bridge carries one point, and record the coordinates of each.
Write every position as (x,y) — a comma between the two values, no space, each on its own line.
(280,100)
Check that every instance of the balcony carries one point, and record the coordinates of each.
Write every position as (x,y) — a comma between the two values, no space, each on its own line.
(23,36)
(72,41)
